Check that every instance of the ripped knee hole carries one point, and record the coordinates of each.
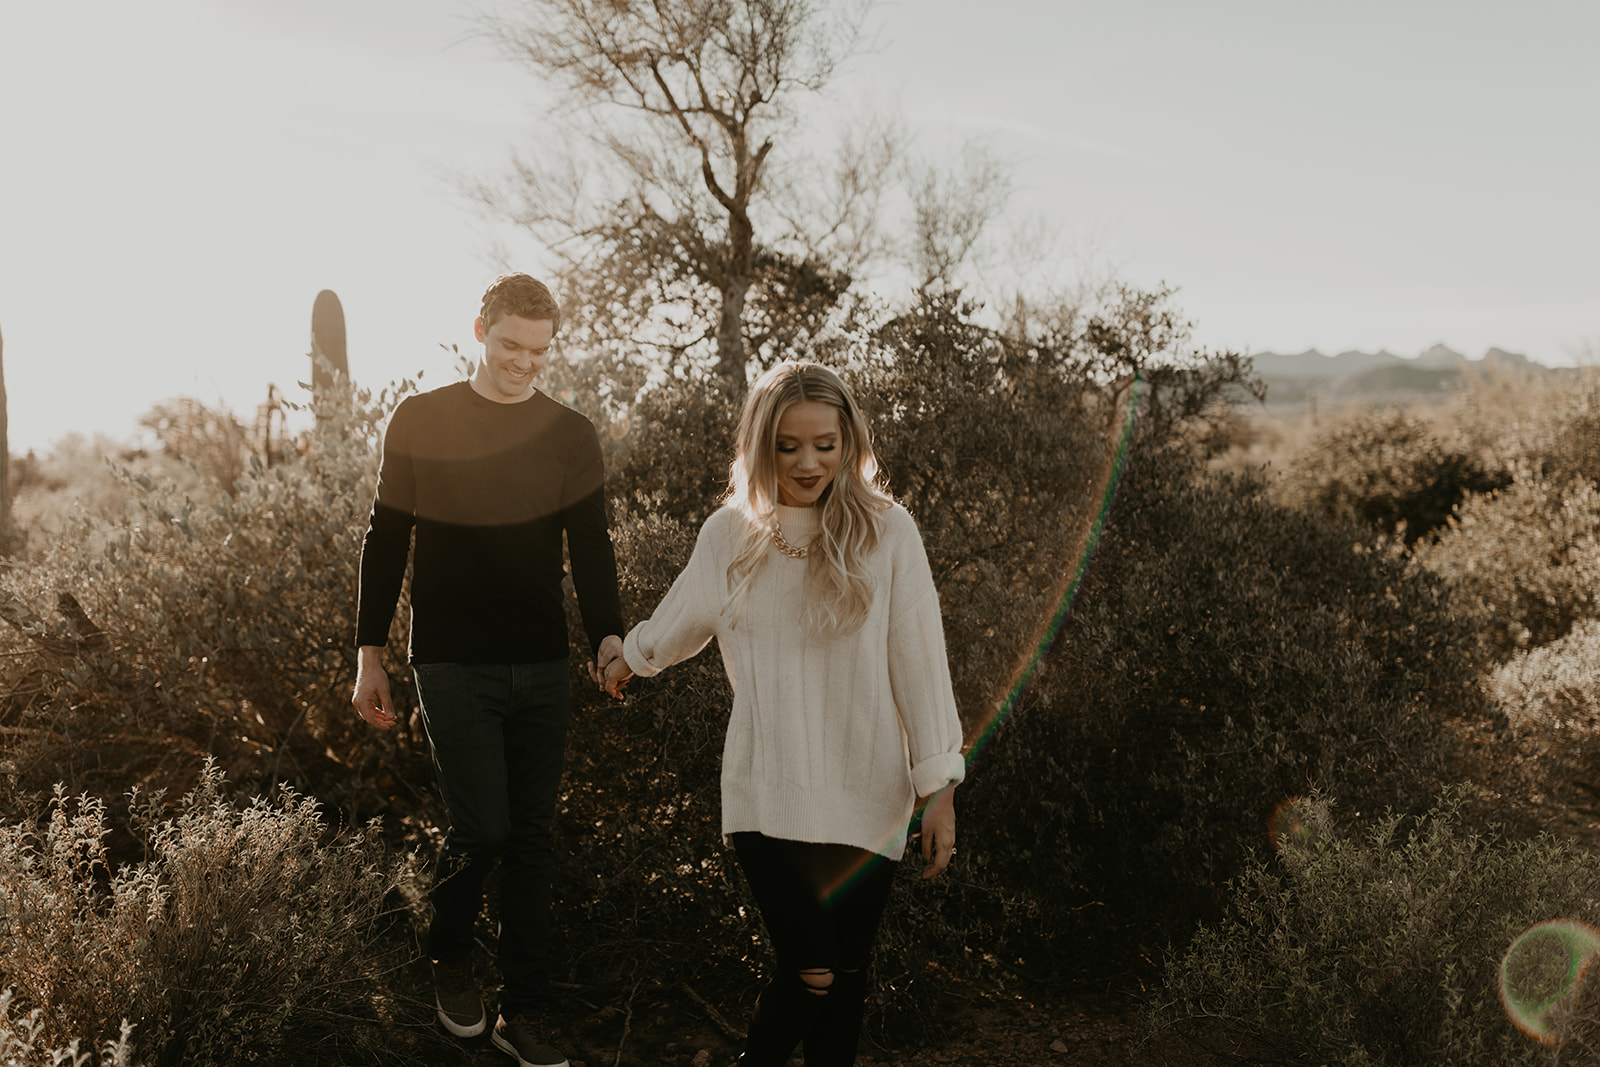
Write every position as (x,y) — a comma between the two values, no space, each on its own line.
(817,981)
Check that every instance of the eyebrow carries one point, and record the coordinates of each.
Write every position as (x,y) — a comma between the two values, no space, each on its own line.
(818,437)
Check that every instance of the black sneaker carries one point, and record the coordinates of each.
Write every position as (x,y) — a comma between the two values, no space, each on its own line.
(458,999)
(515,1037)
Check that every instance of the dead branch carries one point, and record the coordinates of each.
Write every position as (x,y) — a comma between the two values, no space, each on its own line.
(728,1030)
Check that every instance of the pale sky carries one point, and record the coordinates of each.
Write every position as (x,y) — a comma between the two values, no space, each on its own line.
(178,178)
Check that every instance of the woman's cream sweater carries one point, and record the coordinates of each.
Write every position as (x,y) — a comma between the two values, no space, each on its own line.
(830,739)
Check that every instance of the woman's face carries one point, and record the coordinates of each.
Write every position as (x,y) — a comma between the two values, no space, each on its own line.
(809,445)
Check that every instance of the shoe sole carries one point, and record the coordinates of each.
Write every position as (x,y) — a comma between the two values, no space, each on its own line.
(511,1050)
(470,1030)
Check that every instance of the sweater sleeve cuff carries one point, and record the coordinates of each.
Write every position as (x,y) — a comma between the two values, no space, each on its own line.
(635,658)
(935,772)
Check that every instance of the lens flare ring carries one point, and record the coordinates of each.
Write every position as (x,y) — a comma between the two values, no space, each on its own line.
(1296,825)
(1542,971)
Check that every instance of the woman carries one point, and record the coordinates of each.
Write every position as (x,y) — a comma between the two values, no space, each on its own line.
(816,586)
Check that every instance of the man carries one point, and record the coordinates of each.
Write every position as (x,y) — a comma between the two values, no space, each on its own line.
(489,474)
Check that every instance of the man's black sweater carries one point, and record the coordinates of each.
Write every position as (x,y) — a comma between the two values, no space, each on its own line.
(489,489)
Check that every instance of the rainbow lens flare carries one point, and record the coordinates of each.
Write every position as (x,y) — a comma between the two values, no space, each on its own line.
(1050,629)
(1067,592)
(1542,971)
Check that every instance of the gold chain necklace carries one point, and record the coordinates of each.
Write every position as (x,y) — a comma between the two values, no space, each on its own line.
(785,547)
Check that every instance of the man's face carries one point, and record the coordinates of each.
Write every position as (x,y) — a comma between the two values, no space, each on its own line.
(514,351)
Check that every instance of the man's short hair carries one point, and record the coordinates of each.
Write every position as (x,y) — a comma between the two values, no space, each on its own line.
(520,295)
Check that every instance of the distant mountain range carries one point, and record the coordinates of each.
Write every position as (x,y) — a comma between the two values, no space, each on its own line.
(1381,377)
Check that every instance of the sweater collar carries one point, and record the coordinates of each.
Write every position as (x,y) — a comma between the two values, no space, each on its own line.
(799,524)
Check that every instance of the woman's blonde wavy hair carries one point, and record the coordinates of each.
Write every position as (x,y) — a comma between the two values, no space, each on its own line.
(839,586)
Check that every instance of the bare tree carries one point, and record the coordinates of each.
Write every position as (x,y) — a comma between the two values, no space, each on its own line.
(950,210)
(675,214)
(962,235)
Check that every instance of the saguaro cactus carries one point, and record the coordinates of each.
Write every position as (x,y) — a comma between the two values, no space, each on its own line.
(5,455)
(328,356)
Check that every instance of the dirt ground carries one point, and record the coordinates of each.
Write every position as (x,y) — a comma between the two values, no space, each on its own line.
(667,1023)
(670,1026)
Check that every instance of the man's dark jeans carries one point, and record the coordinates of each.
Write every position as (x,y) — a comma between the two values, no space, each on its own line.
(498,732)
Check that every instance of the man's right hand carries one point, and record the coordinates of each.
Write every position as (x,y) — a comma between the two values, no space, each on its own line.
(371,697)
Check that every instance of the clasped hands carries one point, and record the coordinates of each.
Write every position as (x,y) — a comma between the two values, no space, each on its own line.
(609,670)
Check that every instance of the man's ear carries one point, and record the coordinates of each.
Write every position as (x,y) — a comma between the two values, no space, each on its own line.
(477,327)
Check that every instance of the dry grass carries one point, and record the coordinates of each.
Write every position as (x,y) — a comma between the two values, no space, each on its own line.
(245,927)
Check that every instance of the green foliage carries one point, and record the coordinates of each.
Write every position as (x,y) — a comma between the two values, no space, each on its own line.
(1188,396)
(1506,498)
(1384,950)
(1526,559)
(243,928)
(1387,469)
(672,459)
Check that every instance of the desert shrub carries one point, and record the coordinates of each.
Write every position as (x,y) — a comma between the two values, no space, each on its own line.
(197,622)
(1548,422)
(1573,449)
(645,884)
(645,783)
(244,928)
(1383,948)
(23,1043)
(1551,695)
(995,447)
(1000,445)
(1224,653)
(1387,469)
(669,451)
(210,440)
(1555,684)
(1526,560)
(75,478)
(198,448)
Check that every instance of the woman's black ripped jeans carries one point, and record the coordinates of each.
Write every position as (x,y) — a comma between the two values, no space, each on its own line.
(821,905)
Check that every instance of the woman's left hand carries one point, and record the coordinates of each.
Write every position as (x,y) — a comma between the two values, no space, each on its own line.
(616,676)
(939,831)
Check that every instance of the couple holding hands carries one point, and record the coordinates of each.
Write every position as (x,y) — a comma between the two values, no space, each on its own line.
(816,587)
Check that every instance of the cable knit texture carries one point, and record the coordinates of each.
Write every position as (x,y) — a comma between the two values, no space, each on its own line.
(831,740)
